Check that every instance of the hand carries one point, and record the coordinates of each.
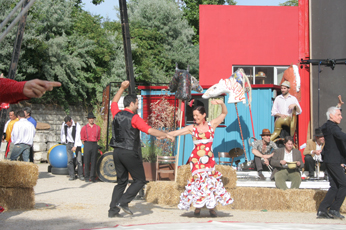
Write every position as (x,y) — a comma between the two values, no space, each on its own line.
(266,156)
(282,162)
(170,137)
(318,152)
(283,116)
(266,162)
(340,103)
(298,163)
(36,88)
(73,149)
(216,102)
(291,106)
(125,84)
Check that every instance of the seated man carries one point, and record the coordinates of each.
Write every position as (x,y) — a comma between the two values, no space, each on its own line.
(262,149)
(279,160)
(313,151)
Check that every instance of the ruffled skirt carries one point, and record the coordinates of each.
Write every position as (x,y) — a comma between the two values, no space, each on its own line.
(204,189)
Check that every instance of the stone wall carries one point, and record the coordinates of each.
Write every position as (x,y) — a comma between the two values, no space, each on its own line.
(54,116)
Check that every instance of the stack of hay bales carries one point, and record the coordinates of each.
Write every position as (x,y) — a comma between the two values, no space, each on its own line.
(168,192)
(17,181)
(245,198)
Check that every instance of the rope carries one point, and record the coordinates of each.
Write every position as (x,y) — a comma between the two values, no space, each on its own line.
(241,132)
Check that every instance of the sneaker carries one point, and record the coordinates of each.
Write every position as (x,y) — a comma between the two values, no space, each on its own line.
(81,177)
(71,178)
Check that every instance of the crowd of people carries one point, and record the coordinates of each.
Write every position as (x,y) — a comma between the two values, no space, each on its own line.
(205,188)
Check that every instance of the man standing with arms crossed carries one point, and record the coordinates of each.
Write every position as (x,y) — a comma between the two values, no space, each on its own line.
(126,154)
(70,135)
(334,157)
(90,135)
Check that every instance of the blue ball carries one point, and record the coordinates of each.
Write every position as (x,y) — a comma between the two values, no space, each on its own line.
(58,157)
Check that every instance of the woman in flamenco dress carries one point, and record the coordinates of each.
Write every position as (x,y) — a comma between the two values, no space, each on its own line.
(205,187)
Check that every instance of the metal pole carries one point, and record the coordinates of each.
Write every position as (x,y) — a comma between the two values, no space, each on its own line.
(318,95)
(127,45)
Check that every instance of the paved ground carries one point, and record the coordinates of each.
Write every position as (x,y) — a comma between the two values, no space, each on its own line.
(62,204)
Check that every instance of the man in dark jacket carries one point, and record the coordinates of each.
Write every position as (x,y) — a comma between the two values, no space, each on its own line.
(334,158)
(126,155)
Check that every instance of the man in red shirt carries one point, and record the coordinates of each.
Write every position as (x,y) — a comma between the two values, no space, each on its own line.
(90,135)
(126,154)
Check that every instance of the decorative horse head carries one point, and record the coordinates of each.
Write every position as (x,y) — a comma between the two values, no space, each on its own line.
(235,86)
(182,83)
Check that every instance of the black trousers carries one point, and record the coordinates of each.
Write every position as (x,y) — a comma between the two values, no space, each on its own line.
(90,155)
(125,162)
(337,191)
(310,165)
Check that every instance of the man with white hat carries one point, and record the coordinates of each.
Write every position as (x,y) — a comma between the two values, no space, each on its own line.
(285,103)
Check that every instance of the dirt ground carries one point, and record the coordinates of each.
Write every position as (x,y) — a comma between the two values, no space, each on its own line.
(64,204)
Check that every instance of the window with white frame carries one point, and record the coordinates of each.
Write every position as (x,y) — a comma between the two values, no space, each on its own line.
(263,74)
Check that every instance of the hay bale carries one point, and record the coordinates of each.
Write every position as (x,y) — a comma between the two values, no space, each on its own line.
(18,174)
(17,198)
(246,198)
(184,174)
(229,176)
(163,192)
(303,200)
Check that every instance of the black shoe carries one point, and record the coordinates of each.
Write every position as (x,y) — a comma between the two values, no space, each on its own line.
(71,178)
(212,213)
(336,214)
(112,215)
(81,177)
(197,212)
(125,209)
(324,215)
(93,180)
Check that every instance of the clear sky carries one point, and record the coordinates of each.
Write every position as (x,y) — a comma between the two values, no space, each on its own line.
(106,9)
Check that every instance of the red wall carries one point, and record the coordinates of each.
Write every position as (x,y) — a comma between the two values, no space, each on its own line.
(245,35)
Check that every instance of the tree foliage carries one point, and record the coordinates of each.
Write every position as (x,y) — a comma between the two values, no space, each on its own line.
(164,37)
(66,44)
(191,13)
(289,3)
(84,52)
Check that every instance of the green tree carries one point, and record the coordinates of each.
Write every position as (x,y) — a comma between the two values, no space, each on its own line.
(289,3)
(164,37)
(191,13)
(64,43)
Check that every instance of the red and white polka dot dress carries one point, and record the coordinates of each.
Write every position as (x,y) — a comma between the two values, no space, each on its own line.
(205,187)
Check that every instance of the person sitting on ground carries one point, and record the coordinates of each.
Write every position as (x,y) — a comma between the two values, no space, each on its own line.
(262,149)
(279,161)
(313,152)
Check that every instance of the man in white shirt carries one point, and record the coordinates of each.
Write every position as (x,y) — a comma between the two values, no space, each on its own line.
(312,152)
(22,137)
(70,135)
(281,172)
(283,107)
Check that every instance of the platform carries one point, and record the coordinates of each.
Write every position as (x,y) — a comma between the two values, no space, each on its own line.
(250,179)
